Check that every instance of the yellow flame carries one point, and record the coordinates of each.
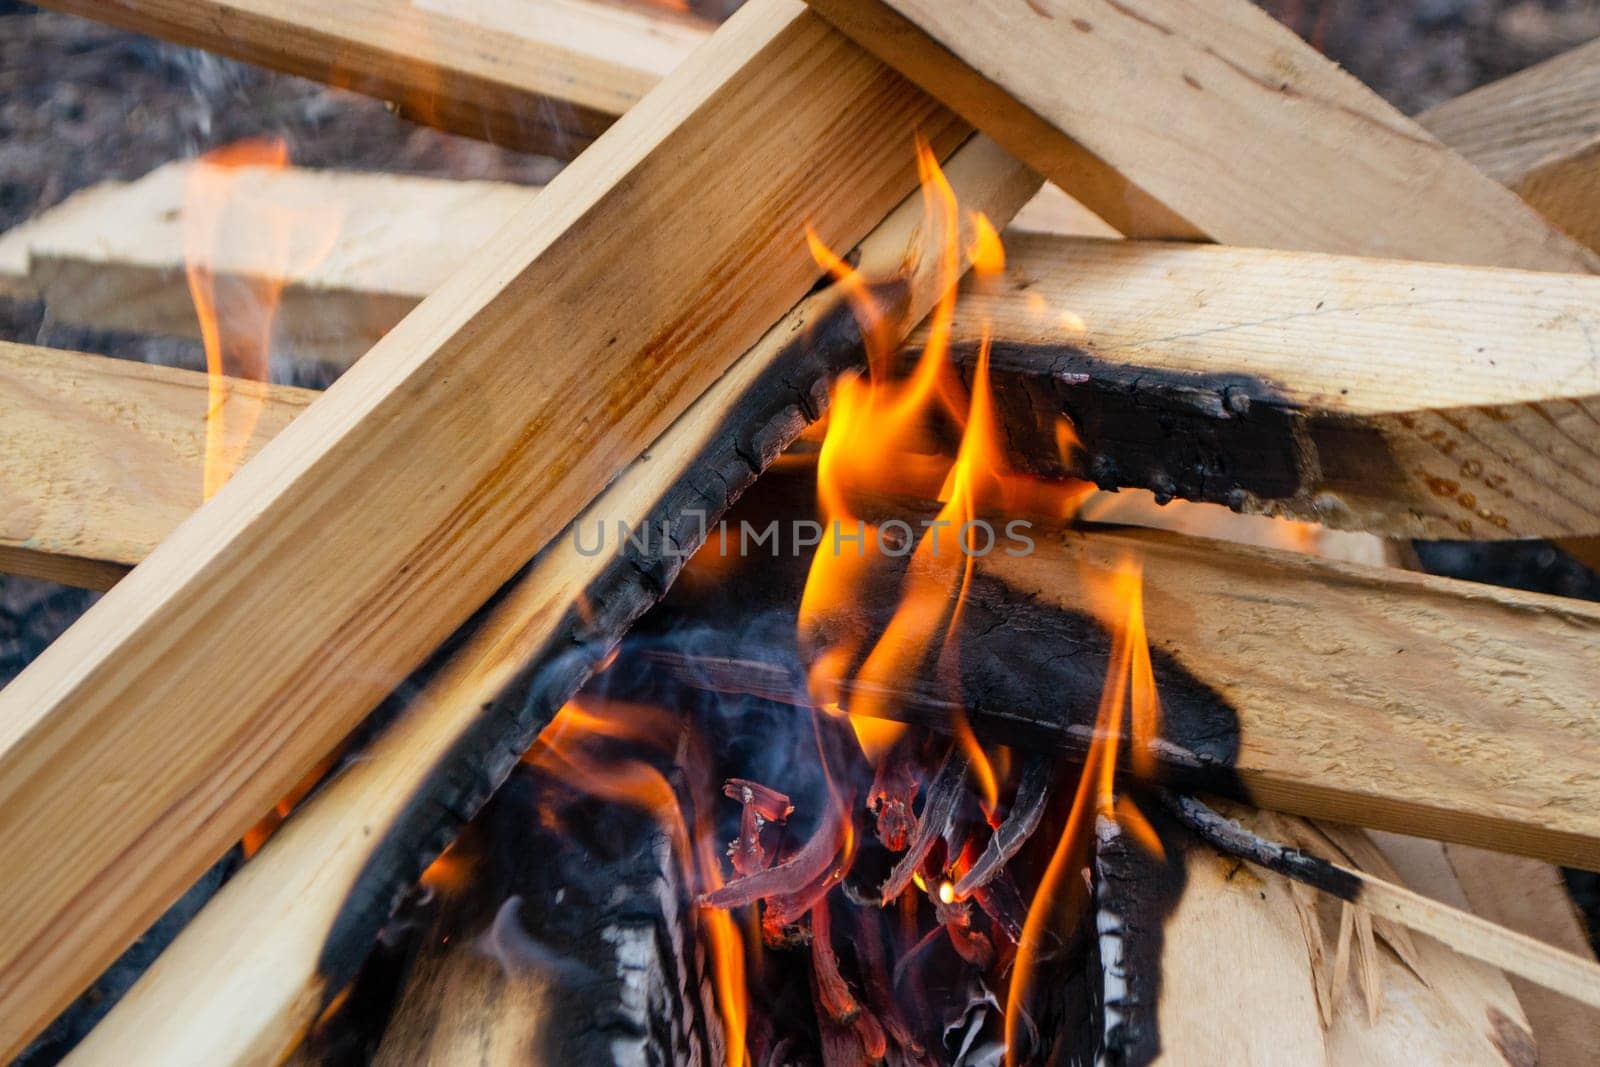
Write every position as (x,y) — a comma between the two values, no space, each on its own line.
(1129,693)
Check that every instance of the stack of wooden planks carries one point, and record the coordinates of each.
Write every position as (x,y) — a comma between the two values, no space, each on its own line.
(552,357)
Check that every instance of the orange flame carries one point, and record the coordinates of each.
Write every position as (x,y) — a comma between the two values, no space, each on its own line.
(236,308)
(1130,694)
(882,443)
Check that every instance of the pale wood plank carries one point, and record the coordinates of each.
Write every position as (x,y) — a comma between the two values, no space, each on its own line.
(1376,697)
(212,678)
(1479,381)
(1247,962)
(539,75)
(113,256)
(1204,120)
(1513,127)
(103,458)
(1538,133)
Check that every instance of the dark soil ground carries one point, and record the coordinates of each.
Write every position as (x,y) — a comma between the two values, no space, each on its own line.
(80,104)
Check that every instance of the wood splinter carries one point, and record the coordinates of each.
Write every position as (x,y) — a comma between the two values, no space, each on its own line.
(1468,934)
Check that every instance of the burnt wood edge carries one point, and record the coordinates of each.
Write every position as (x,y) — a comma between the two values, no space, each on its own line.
(1136,891)
(1220,437)
(1230,838)
(622,893)
(789,395)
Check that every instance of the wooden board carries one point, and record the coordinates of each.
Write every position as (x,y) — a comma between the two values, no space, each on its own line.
(223,992)
(1409,399)
(113,256)
(102,458)
(1376,697)
(1403,398)
(1204,120)
(538,75)
(1537,132)
(1247,975)
(1525,895)
(211,679)
(1371,696)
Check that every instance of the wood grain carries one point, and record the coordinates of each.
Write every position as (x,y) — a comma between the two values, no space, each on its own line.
(1247,977)
(1369,696)
(1204,120)
(103,458)
(1537,132)
(1409,399)
(213,677)
(113,256)
(1525,895)
(538,75)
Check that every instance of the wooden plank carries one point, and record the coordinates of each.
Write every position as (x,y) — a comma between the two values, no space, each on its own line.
(1404,398)
(1370,696)
(113,256)
(223,992)
(103,458)
(1537,132)
(338,559)
(1206,120)
(1276,941)
(1386,899)
(537,75)
(1527,896)
(1409,399)
(1381,698)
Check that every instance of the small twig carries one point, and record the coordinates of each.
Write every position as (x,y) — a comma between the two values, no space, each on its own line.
(1033,796)
(938,814)
(1469,934)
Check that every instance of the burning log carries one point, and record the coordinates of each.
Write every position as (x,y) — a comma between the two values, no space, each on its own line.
(335,869)
(534,82)
(245,647)
(1181,384)
(1033,794)
(1139,146)
(1283,678)
(567,940)
(760,806)
(935,822)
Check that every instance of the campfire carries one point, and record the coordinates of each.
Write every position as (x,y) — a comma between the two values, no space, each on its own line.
(882,559)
